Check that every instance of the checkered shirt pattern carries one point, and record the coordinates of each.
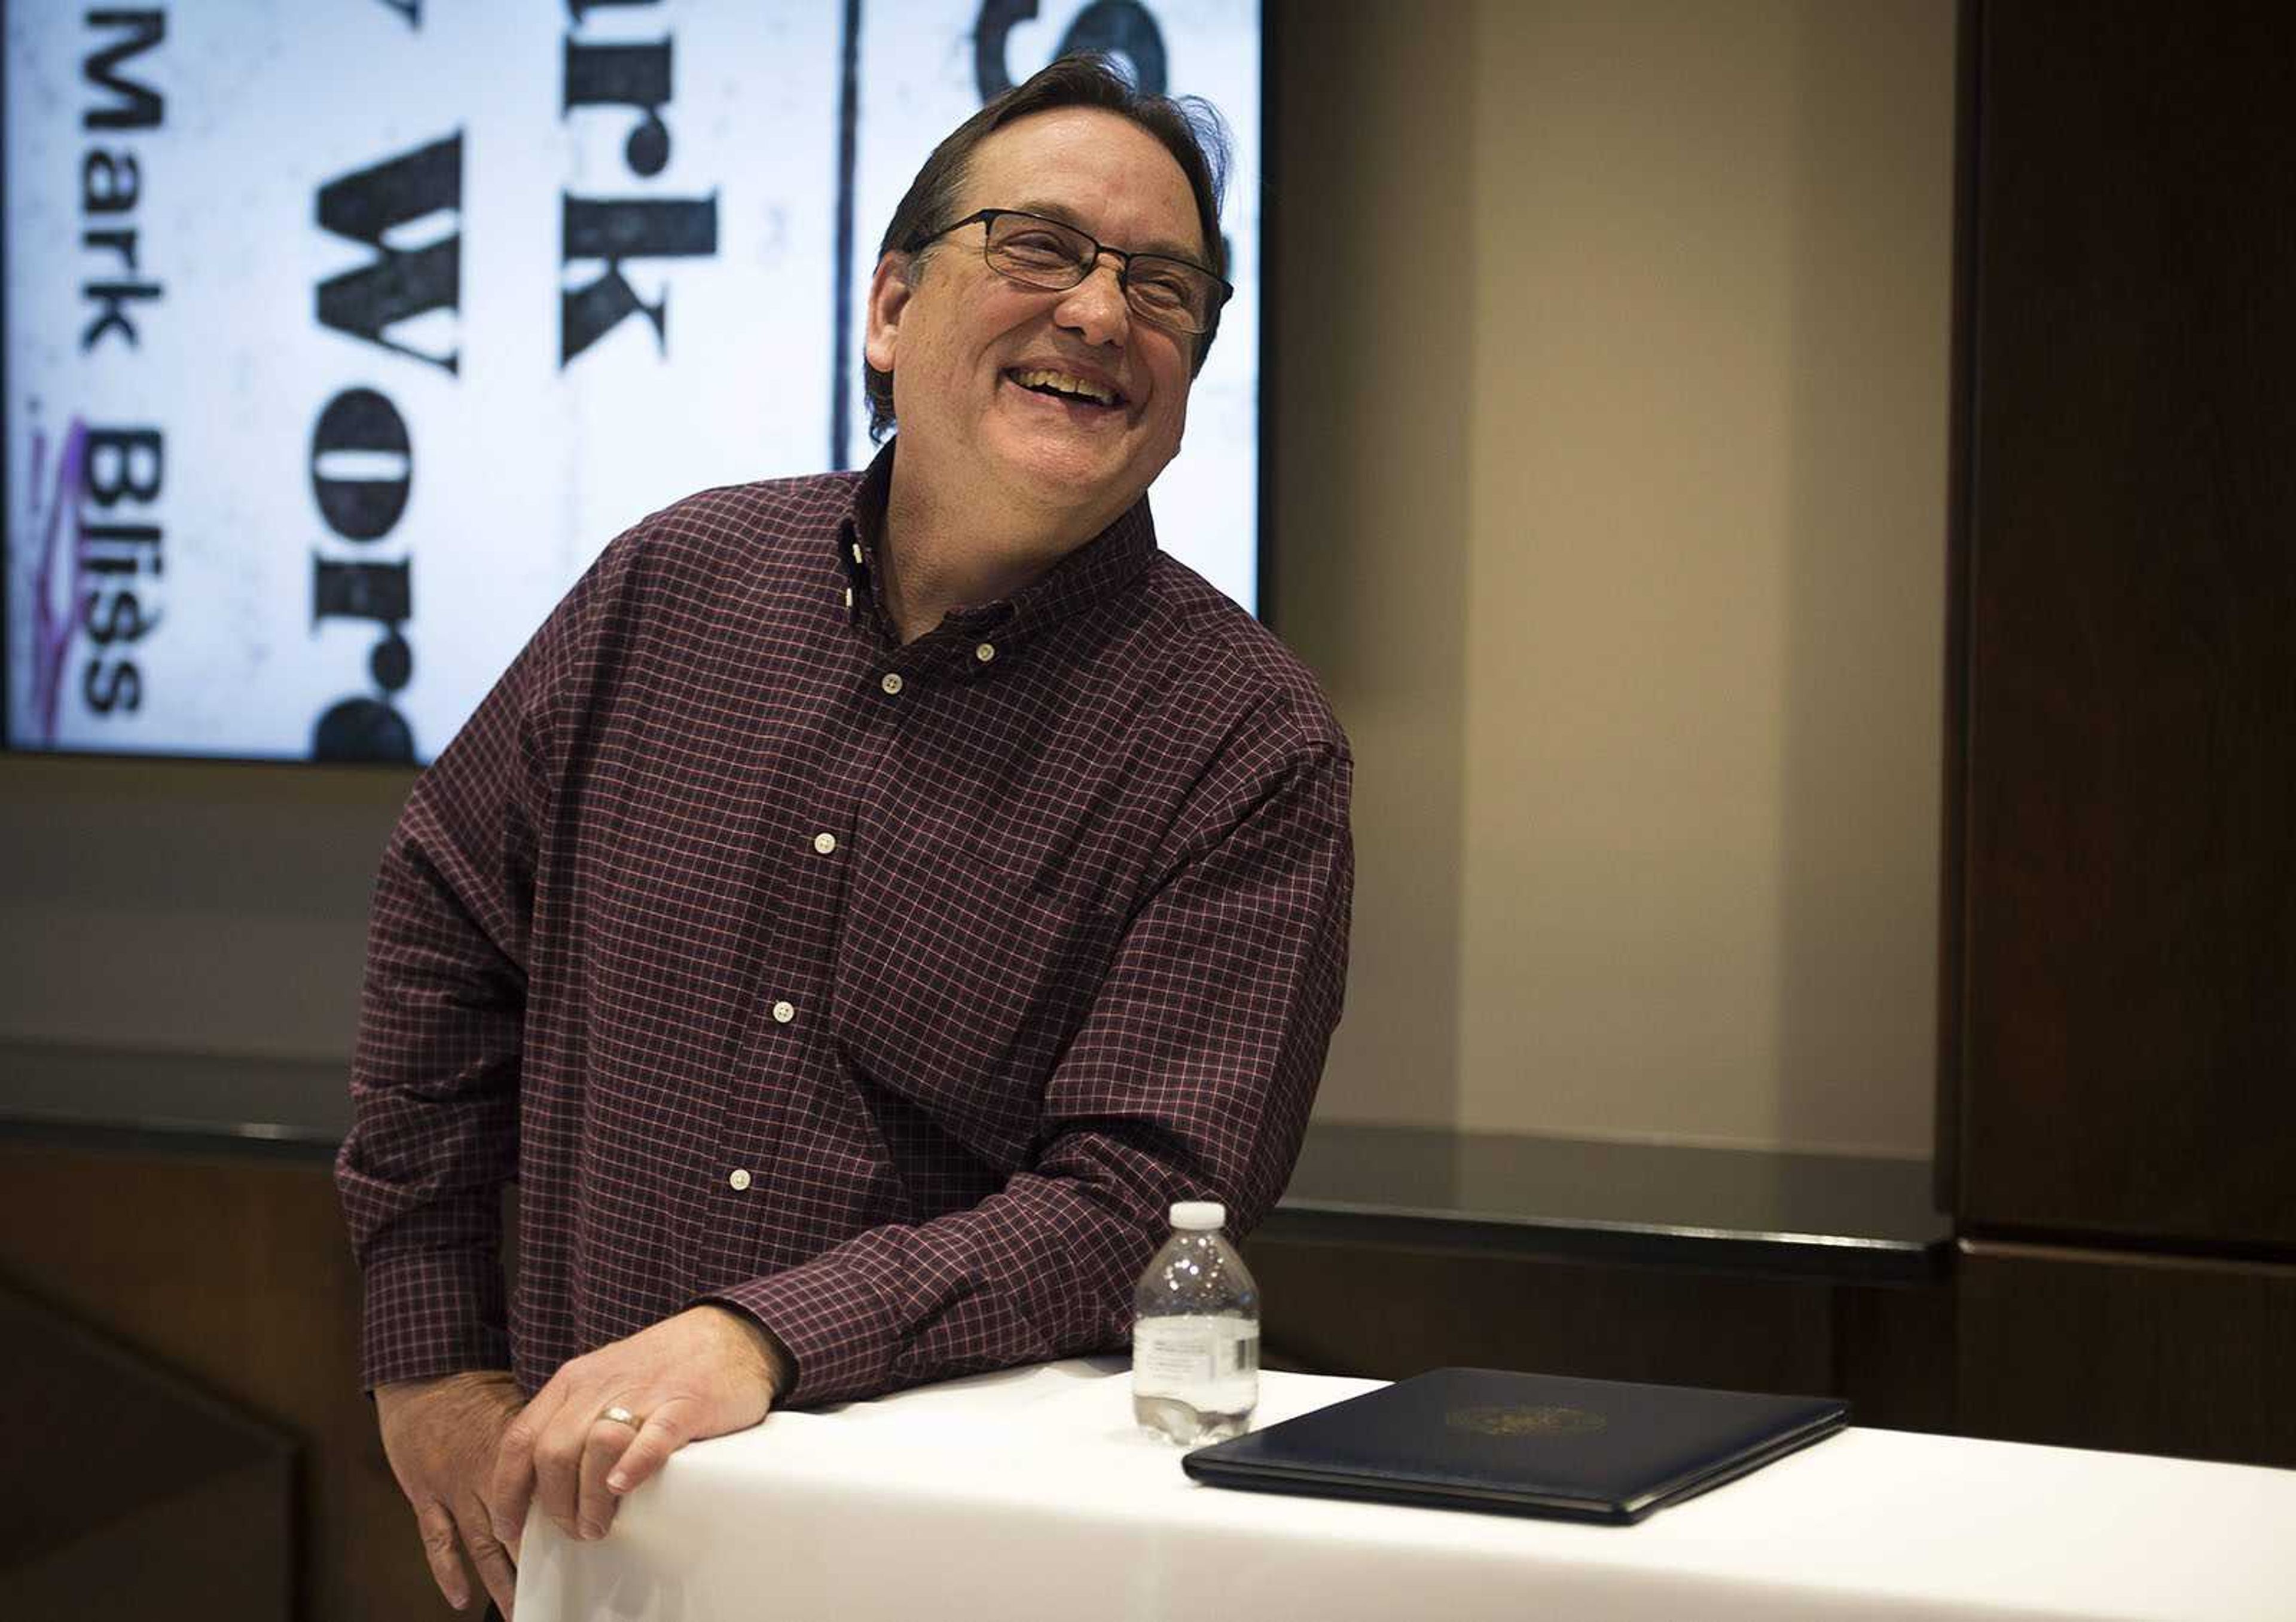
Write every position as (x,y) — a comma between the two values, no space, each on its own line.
(887,993)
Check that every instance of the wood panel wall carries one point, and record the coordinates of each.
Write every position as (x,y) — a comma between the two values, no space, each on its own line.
(2119,1096)
(237,1274)
(2129,1000)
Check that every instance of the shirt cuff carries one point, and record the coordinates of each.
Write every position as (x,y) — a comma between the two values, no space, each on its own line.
(836,1330)
(429,1314)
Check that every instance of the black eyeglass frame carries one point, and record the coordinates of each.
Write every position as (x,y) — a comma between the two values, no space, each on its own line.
(986,218)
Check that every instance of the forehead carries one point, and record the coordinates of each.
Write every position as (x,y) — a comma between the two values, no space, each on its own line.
(1095,168)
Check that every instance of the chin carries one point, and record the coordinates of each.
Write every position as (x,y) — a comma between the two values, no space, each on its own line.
(1071,483)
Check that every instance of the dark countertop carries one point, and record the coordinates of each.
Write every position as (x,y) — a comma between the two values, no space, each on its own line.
(186,1102)
(1827,1217)
(1851,1219)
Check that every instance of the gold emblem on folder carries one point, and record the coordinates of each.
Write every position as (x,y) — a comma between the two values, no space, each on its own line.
(1526,1421)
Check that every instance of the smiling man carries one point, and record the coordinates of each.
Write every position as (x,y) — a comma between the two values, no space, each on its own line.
(870,900)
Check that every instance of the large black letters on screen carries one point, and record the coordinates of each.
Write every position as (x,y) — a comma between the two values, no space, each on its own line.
(397,284)
(1120,28)
(360,422)
(136,106)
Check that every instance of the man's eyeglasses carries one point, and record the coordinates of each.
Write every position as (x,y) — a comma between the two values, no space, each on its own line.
(1039,253)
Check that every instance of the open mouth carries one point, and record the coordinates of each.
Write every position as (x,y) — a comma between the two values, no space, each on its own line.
(1066,387)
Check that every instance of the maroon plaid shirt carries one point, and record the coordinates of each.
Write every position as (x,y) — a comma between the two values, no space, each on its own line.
(888,993)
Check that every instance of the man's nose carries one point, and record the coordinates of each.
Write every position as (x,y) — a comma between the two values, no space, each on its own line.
(1096,306)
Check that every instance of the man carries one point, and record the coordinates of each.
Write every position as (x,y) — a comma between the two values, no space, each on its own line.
(868,901)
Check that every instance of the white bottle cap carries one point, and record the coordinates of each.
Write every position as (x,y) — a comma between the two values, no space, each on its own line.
(1199,1215)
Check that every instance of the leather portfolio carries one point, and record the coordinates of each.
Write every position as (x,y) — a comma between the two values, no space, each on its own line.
(1521,1443)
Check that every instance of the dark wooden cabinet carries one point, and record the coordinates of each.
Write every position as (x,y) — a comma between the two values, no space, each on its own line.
(224,1264)
(2142,1354)
(2117,1120)
(2130,998)
(201,1523)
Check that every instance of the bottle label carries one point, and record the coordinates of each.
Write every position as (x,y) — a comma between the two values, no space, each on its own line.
(1208,1361)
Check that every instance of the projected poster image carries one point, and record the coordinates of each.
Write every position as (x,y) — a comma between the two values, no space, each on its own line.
(341,339)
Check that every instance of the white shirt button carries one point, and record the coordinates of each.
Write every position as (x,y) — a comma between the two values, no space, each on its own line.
(738,1179)
(783,1013)
(892,683)
(985,652)
(826,843)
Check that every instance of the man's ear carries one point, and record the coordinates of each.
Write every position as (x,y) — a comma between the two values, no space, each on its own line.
(889,297)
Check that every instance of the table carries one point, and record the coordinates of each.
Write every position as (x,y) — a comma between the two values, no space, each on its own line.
(1028,1495)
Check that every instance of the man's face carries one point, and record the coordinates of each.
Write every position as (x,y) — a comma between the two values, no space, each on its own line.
(958,337)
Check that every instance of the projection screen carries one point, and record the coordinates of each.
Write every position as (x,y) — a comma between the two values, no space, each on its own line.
(340,336)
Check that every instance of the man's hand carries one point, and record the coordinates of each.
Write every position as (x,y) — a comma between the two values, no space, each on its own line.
(702,1373)
(441,1437)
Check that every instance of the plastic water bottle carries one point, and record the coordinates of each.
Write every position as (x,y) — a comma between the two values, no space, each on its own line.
(1196,1334)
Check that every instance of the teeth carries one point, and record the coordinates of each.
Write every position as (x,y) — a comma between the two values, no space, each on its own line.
(1066,385)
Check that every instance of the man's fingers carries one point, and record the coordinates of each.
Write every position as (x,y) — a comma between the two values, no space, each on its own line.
(594,1509)
(511,1487)
(489,1556)
(442,1549)
(662,1435)
(558,1465)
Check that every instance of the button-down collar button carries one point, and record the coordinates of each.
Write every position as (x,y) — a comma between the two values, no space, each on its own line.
(985,652)
(892,683)
(738,1179)
(825,842)
(783,1013)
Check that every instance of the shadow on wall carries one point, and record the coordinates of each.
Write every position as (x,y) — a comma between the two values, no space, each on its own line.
(1373,197)
(1864,665)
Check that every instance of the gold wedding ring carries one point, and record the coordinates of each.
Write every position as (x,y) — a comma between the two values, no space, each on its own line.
(621,1416)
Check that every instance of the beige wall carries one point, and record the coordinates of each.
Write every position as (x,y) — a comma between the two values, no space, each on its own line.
(1636,469)
(1611,474)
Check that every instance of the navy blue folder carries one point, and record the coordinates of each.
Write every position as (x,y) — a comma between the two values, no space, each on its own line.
(1522,1445)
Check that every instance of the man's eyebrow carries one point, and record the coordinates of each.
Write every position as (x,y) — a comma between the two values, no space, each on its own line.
(1068,217)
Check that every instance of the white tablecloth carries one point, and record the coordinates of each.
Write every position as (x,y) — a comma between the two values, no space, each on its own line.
(1029,1495)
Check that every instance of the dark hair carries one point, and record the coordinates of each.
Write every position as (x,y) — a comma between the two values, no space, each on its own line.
(1189,127)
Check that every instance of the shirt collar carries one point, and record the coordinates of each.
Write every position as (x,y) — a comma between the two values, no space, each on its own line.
(1101,569)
